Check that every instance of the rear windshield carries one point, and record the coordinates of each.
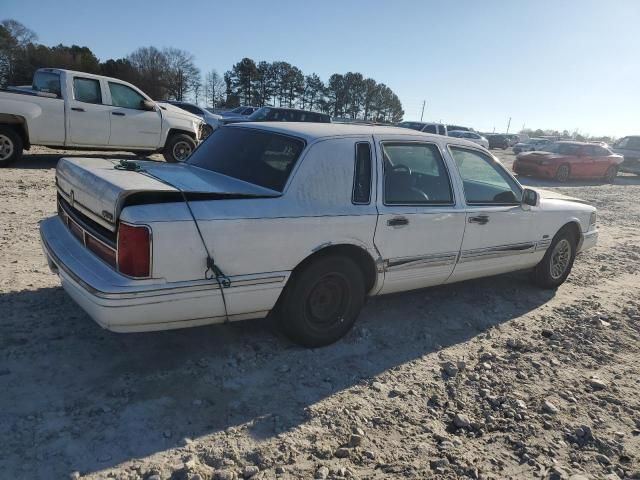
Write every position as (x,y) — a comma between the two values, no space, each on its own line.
(48,82)
(255,156)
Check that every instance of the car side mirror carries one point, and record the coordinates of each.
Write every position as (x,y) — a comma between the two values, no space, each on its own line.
(530,197)
(148,105)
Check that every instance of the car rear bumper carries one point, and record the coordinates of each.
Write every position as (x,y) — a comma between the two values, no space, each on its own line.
(122,304)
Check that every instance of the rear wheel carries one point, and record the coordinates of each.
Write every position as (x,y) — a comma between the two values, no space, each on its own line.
(322,301)
(178,148)
(555,266)
(563,173)
(10,146)
(611,174)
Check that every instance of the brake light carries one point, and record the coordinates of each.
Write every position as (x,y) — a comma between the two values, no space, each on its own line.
(134,250)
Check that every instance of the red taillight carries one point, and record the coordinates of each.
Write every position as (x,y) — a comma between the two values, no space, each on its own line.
(134,250)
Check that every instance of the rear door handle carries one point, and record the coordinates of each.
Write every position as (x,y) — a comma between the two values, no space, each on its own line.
(479,219)
(77,109)
(398,222)
(119,114)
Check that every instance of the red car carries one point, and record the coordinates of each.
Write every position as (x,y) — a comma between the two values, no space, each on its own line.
(564,160)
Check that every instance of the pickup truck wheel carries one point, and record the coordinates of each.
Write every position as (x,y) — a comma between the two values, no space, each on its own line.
(10,146)
(555,266)
(322,301)
(178,148)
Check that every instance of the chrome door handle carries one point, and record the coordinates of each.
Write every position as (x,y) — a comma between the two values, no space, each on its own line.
(119,114)
(398,222)
(479,219)
(77,109)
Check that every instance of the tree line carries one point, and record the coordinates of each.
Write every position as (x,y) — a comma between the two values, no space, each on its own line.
(171,74)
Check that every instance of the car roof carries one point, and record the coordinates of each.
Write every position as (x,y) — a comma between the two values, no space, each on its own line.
(310,132)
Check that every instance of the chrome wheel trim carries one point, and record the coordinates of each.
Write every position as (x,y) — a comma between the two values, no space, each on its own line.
(560,258)
(181,151)
(563,173)
(6,147)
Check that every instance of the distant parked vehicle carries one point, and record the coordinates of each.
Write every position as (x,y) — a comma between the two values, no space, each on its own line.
(498,141)
(471,136)
(239,112)
(427,127)
(629,148)
(76,110)
(515,138)
(458,128)
(211,119)
(530,145)
(276,114)
(564,160)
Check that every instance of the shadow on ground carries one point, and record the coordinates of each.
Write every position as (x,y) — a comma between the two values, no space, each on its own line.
(76,397)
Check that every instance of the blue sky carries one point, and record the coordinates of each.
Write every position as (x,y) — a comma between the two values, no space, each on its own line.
(547,64)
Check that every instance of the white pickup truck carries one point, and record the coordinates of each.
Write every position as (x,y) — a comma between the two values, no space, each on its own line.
(75,110)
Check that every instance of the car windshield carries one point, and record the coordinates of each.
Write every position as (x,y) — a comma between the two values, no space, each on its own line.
(260,114)
(254,156)
(561,148)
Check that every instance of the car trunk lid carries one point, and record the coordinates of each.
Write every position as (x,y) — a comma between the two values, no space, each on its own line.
(99,190)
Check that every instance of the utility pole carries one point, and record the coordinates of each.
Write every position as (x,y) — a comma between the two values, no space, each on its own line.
(424,102)
(508,124)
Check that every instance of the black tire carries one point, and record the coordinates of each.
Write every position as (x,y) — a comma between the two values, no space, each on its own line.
(322,301)
(563,173)
(546,274)
(611,174)
(178,148)
(10,146)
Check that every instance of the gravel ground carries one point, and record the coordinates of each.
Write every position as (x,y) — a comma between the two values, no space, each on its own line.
(490,378)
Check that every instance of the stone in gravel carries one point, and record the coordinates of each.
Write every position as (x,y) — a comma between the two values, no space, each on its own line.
(369,454)
(603,459)
(250,471)
(439,463)
(155,476)
(461,421)
(549,407)
(521,405)
(449,368)
(597,384)
(321,473)
(355,440)
(486,365)
(280,470)
(342,452)
(357,431)
(377,386)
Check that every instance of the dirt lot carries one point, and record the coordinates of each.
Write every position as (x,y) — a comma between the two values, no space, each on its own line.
(485,379)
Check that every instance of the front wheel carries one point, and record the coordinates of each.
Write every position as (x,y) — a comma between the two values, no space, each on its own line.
(178,148)
(321,302)
(555,266)
(10,146)
(611,174)
(562,174)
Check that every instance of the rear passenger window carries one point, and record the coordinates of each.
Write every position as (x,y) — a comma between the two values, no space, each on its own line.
(87,90)
(362,174)
(414,173)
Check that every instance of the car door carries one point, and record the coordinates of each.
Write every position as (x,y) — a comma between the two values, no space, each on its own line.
(88,116)
(584,163)
(500,233)
(131,124)
(420,227)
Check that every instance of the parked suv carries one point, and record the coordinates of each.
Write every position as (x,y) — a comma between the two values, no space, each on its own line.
(426,127)
(629,148)
(498,141)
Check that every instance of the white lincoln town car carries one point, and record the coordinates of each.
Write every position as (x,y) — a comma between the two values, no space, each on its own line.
(300,220)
